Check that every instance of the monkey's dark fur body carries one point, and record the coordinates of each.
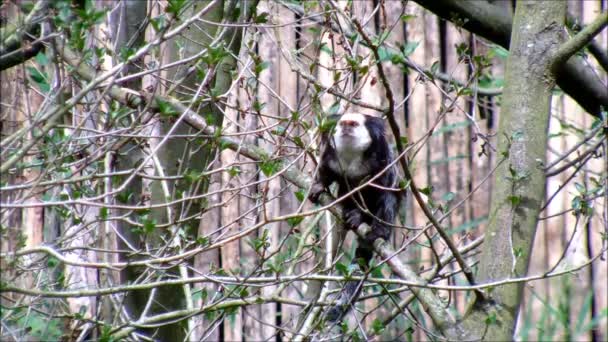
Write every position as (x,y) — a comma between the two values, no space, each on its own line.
(356,152)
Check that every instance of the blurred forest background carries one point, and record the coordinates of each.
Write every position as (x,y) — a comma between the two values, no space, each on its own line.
(155,155)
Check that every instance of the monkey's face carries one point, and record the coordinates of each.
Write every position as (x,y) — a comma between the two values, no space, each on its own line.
(351,134)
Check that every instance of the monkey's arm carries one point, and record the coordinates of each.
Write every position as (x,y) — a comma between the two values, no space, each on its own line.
(324,178)
(386,209)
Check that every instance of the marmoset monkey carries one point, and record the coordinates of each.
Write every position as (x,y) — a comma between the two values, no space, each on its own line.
(356,152)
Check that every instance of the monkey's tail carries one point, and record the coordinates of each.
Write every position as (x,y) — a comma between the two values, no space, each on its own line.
(352,288)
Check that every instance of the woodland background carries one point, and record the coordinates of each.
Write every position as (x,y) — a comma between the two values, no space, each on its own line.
(108,194)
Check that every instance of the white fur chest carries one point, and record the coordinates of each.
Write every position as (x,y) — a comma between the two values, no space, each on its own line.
(350,164)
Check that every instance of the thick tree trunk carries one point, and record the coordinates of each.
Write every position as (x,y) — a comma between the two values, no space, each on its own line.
(519,181)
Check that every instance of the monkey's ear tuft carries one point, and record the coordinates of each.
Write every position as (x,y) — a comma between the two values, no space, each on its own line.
(375,126)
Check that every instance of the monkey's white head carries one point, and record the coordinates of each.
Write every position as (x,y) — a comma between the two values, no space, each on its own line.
(351,134)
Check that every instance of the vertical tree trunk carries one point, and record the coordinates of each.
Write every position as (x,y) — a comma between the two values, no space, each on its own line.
(520,179)
(270,188)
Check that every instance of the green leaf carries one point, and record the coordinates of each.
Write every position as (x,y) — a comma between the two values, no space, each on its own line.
(435,67)
(407,17)
(328,123)
(126,53)
(294,221)
(149,225)
(515,200)
(299,142)
(279,130)
(448,196)
(385,54)
(295,115)
(39,78)
(580,188)
(258,106)
(584,312)
(215,54)
(377,271)
(106,334)
(270,167)
(159,23)
(409,333)
(124,196)
(234,171)
(491,318)
(337,76)
(261,67)
(260,243)
(192,176)
(465,91)
(577,203)
(377,326)
(518,252)
(596,321)
(165,108)
(175,6)
(342,269)
(202,240)
(517,135)
(261,18)
(364,69)
(333,110)
(300,195)
(500,52)
(404,184)
(103,213)
(512,172)
(409,48)
(427,190)
(52,262)
(42,59)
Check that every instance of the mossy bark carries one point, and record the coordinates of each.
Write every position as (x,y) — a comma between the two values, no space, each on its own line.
(519,181)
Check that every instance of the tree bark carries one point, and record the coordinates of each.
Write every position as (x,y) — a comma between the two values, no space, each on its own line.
(520,180)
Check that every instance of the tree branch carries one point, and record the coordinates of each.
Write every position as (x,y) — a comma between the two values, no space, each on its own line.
(436,308)
(594,48)
(13,51)
(493,23)
(404,164)
(599,53)
(407,62)
(576,43)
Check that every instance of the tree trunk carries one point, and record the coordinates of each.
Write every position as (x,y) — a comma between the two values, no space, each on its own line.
(519,181)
